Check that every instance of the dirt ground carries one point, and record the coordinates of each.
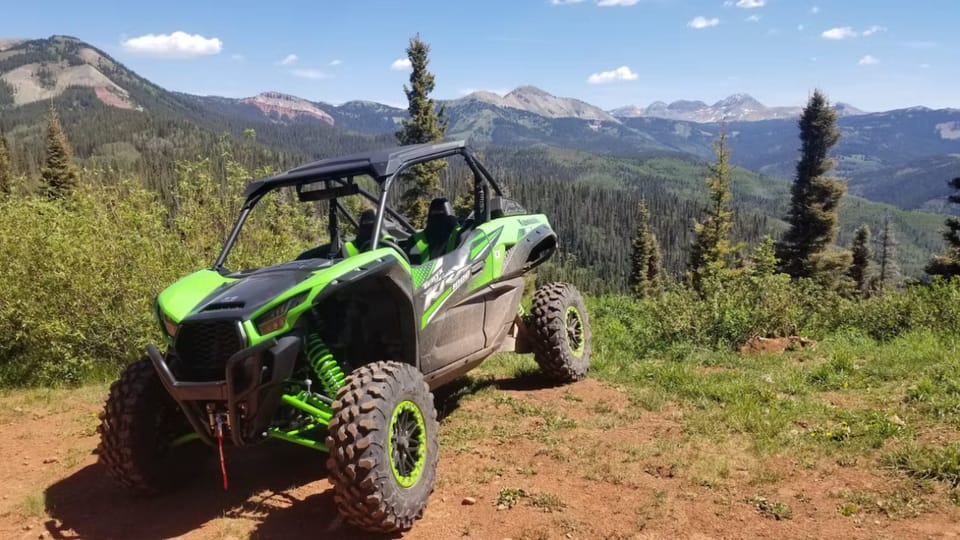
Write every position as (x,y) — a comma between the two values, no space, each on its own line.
(607,470)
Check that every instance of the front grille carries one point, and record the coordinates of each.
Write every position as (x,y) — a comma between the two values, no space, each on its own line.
(203,348)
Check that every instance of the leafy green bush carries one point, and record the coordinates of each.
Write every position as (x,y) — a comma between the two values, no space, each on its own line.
(80,275)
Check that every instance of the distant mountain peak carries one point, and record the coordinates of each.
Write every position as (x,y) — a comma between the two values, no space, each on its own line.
(740,107)
(287,106)
(538,101)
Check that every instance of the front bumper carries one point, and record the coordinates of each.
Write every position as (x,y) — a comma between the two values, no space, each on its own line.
(248,395)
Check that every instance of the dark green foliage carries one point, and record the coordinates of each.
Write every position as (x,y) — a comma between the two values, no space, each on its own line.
(425,125)
(814,196)
(644,277)
(889,275)
(6,94)
(59,174)
(711,251)
(860,268)
(948,264)
(6,167)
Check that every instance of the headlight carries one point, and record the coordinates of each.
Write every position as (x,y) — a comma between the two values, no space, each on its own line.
(168,325)
(273,320)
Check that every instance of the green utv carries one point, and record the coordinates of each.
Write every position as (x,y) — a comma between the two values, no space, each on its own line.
(339,349)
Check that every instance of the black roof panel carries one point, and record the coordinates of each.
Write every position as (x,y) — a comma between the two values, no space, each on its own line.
(379,164)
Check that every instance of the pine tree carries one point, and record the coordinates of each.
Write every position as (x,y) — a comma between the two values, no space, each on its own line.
(59,174)
(814,196)
(644,275)
(889,275)
(763,260)
(860,268)
(425,125)
(6,167)
(711,251)
(948,265)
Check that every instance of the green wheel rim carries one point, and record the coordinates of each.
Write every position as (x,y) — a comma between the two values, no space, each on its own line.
(407,443)
(573,326)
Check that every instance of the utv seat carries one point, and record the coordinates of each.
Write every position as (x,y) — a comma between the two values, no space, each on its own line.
(440,235)
(368,220)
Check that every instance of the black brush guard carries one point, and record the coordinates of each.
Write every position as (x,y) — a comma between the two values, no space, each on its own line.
(249,394)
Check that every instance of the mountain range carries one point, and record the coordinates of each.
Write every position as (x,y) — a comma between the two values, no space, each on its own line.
(901,157)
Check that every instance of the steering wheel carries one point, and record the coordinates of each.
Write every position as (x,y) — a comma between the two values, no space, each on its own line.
(391,244)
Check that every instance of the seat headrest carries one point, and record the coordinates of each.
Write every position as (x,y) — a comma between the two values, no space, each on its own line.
(440,207)
(368,217)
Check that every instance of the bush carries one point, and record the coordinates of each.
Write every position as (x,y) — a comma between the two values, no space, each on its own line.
(80,276)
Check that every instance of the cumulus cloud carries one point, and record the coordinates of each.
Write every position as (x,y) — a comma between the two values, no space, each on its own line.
(622,73)
(844,32)
(611,3)
(289,59)
(309,73)
(703,22)
(564,2)
(401,64)
(873,30)
(868,60)
(176,45)
(336,62)
(750,4)
(753,18)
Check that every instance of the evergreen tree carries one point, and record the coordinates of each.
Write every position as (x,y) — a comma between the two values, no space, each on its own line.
(644,278)
(814,196)
(6,167)
(948,265)
(860,268)
(425,125)
(711,252)
(59,174)
(763,260)
(889,275)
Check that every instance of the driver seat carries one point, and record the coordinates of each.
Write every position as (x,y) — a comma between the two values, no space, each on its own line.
(366,224)
(440,233)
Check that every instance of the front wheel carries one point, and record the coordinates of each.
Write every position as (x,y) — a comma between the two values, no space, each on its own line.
(560,332)
(146,443)
(383,447)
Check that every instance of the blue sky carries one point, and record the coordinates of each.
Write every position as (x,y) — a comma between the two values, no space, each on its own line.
(877,55)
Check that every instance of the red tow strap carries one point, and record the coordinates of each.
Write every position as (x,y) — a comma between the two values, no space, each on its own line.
(223,462)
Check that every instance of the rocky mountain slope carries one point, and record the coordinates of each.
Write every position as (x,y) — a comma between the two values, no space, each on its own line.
(735,108)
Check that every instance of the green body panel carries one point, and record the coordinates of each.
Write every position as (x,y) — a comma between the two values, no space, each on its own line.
(179,299)
(504,232)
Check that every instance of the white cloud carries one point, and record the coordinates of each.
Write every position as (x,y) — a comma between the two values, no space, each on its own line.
(610,3)
(753,18)
(401,64)
(750,4)
(176,45)
(815,10)
(564,2)
(703,22)
(622,73)
(840,33)
(309,73)
(873,30)
(289,59)
(868,60)
(336,62)
(727,3)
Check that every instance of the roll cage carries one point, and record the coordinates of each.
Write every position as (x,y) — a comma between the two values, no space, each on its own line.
(338,178)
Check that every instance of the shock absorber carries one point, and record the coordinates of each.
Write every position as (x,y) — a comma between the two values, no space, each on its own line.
(324,365)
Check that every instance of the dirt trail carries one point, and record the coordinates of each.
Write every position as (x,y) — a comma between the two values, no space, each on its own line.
(605,469)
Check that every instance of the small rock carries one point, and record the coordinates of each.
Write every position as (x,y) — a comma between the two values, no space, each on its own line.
(501,507)
(41,536)
(27,527)
(469,501)
(50,460)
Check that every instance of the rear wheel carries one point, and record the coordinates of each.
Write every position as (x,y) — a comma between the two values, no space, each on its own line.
(146,443)
(383,447)
(559,332)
